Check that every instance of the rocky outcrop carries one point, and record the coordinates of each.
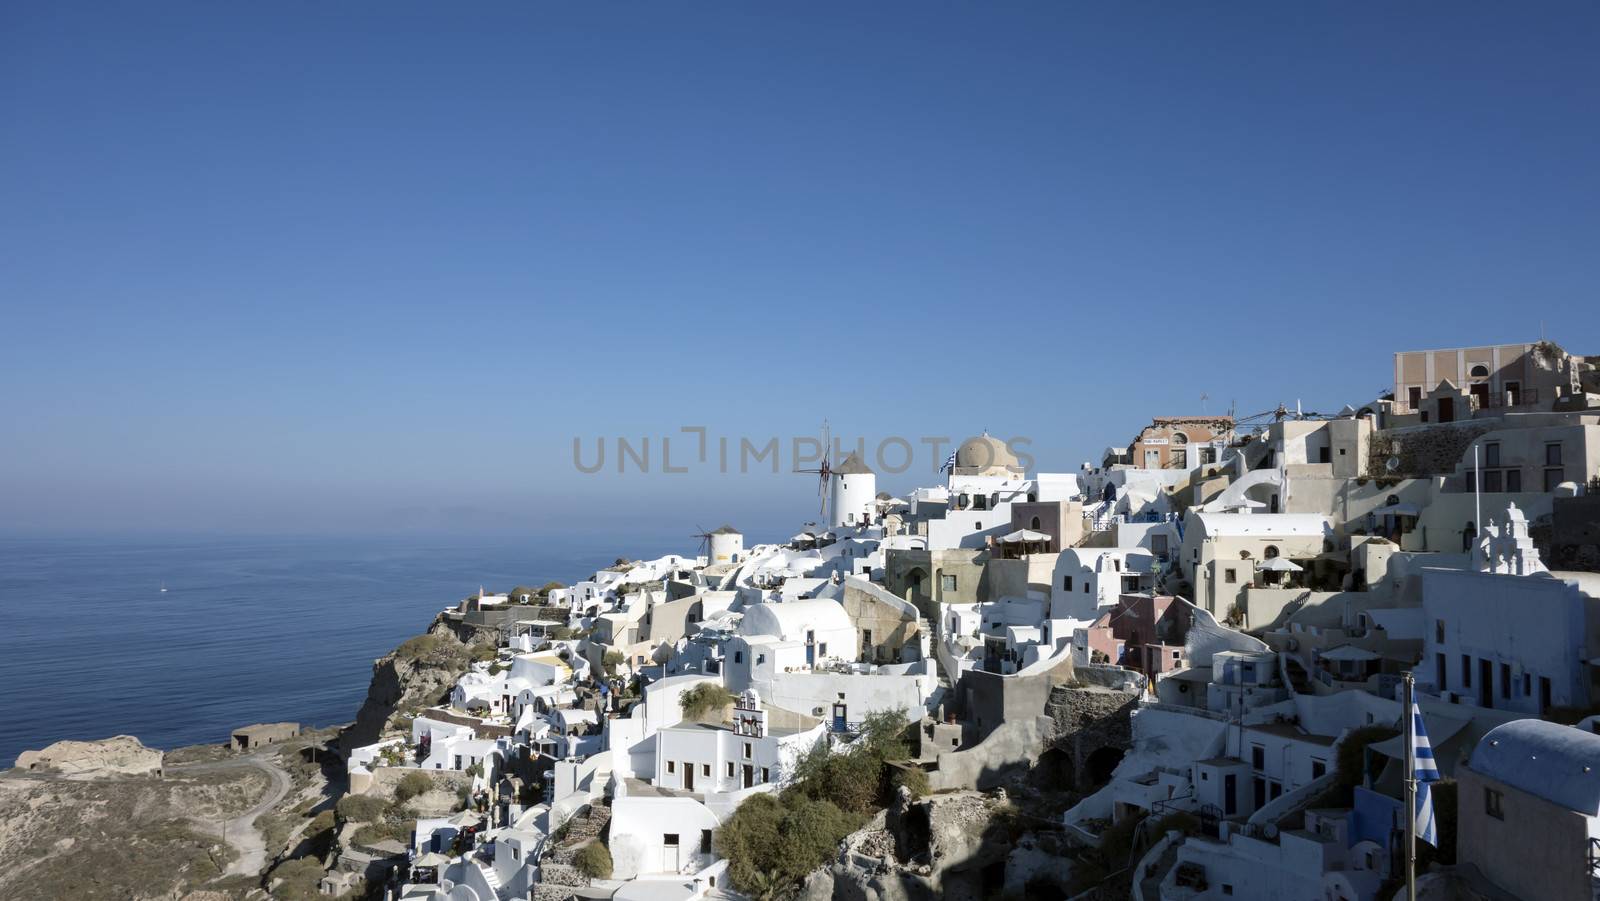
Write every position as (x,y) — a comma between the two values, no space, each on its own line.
(417,674)
(121,755)
(943,846)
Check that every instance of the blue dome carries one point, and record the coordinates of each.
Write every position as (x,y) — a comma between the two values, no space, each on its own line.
(1558,763)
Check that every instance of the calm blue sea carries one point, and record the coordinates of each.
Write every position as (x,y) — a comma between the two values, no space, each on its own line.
(249,630)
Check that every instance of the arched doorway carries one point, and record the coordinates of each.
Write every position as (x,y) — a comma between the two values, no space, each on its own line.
(1102,763)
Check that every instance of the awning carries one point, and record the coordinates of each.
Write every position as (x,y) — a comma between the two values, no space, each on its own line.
(1278,565)
(1022,535)
(1350,653)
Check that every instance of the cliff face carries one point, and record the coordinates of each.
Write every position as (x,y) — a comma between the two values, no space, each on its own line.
(417,674)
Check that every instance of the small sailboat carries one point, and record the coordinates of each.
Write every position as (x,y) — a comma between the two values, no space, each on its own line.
(163,588)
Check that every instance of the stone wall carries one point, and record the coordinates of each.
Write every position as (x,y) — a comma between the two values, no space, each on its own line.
(1087,720)
(1423,450)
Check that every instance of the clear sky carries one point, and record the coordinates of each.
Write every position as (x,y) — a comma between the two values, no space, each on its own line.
(310,267)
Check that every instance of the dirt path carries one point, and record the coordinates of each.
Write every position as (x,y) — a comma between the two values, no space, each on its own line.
(240,831)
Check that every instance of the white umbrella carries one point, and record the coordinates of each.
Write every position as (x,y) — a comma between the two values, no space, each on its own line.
(1278,565)
(1022,535)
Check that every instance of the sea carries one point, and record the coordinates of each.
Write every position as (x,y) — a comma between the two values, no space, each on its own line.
(248,630)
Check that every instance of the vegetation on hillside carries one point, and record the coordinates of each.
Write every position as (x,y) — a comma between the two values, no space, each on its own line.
(773,840)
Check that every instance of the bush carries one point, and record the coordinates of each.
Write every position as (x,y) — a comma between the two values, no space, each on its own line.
(772,842)
(914,780)
(322,822)
(412,784)
(703,699)
(420,647)
(593,860)
(360,808)
(299,878)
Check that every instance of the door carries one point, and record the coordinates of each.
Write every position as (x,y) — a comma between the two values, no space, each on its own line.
(811,648)
(1230,789)
(1447,409)
(688,775)
(1480,393)
(749,775)
(1152,459)
(670,861)
(1485,683)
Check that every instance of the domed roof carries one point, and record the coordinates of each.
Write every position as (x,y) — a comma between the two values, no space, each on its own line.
(984,453)
(1558,763)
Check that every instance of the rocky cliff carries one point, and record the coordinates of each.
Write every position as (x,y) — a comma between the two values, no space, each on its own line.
(417,674)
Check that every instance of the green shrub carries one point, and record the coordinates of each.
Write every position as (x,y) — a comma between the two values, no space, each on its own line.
(299,878)
(421,646)
(360,808)
(412,784)
(593,860)
(772,842)
(704,698)
(612,659)
(322,822)
(914,780)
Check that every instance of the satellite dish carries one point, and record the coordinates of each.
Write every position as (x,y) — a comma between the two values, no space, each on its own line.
(1392,464)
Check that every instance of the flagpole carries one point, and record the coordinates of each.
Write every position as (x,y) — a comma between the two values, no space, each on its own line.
(1411,791)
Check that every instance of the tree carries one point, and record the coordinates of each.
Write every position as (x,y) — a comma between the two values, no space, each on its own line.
(703,699)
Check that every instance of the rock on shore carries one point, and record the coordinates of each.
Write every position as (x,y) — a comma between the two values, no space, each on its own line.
(121,755)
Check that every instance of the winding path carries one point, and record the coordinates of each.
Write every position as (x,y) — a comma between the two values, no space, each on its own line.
(240,831)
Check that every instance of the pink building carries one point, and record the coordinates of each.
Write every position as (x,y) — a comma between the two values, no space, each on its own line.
(1143,632)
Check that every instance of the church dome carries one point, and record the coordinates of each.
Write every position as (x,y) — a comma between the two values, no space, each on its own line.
(985,455)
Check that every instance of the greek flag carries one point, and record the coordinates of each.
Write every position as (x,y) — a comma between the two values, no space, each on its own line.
(1425,772)
(949,463)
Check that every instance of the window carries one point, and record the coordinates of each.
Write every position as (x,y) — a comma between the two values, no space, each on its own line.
(1086,587)
(1552,478)
(705,769)
(980,502)
(1180,457)
(1493,803)
(1513,480)
(738,656)
(730,769)
(747,753)
(1552,454)
(1438,633)
(822,649)
(766,775)
(1493,482)
(1491,453)
(948,583)
(1466,671)
(1479,371)
(1258,757)
(1414,397)
(1270,552)
(1230,575)
(672,766)
(1066,583)
(1035,523)
(670,839)
(705,841)
(1527,684)
(761,658)
(1319,768)
(1227,888)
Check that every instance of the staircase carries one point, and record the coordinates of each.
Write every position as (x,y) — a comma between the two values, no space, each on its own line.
(557,875)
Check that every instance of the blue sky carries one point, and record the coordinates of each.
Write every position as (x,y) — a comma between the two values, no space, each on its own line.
(357,267)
